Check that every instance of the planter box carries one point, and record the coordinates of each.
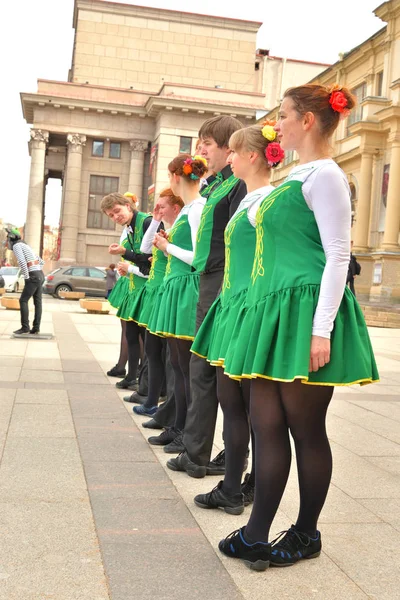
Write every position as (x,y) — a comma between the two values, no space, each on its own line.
(72,295)
(2,291)
(10,303)
(97,307)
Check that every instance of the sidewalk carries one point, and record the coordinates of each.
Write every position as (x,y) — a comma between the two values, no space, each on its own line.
(88,510)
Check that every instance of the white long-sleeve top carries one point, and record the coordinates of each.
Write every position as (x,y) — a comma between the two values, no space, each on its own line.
(131,268)
(327,193)
(25,254)
(193,211)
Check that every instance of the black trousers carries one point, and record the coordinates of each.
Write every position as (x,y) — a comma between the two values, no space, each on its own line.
(165,415)
(33,288)
(201,416)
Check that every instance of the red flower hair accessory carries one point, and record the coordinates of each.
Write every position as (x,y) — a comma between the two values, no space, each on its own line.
(338,102)
(274,154)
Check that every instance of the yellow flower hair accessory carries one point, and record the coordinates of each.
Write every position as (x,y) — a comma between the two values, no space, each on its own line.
(269,132)
(203,160)
(130,195)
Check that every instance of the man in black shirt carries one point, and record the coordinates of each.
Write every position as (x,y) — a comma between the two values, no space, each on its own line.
(223,199)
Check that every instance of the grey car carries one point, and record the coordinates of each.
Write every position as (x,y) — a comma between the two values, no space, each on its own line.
(90,280)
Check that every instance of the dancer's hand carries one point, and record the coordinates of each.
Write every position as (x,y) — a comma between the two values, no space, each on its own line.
(320,353)
(160,242)
(116,249)
(157,212)
(122,267)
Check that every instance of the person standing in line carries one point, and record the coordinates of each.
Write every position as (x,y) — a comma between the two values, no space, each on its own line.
(300,330)
(223,197)
(251,160)
(111,278)
(174,314)
(31,266)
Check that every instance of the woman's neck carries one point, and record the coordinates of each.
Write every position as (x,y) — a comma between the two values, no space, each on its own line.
(190,193)
(256,181)
(314,151)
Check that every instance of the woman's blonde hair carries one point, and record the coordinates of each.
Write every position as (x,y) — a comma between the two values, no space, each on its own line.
(250,139)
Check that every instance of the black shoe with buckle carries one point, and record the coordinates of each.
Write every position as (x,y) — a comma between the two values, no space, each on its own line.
(247,489)
(166,437)
(183,463)
(124,384)
(176,446)
(22,331)
(218,498)
(115,372)
(293,545)
(256,556)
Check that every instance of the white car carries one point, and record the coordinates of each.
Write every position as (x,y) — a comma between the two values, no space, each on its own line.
(13,279)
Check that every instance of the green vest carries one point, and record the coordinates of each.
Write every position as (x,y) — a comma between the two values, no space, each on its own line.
(180,235)
(136,280)
(205,231)
(158,266)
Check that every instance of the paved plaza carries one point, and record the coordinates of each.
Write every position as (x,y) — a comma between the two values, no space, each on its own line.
(88,510)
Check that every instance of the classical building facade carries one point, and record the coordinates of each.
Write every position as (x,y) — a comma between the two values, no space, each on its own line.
(367,147)
(141,83)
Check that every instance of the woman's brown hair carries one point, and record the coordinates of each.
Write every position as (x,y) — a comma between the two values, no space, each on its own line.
(199,168)
(315,98)
(172,199)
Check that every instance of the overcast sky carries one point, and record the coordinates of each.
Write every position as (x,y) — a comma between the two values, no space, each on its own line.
(37,37)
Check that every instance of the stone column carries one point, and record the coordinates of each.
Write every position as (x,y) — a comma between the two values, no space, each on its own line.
(70,213)
(392,219)
(361,233)
(138,148)
(34,213)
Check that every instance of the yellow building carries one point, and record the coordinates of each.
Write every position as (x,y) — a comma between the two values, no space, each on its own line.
(141,83)
(367,148)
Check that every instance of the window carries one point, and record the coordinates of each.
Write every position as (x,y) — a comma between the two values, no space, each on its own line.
(289,157)
(185,145)
(98,188)
(115,150)
(356,114)
(96,273)
(379,84)
(97,148)
(79,272)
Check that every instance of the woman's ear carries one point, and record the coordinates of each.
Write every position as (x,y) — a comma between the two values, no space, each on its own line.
(308,120)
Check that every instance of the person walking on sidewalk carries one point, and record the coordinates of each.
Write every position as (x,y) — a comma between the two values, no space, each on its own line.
(31,266)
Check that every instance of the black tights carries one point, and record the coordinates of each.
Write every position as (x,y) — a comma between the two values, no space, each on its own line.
(234,398)
(133,334)
(275,410)
(123,348)
(180,359)
(155,351)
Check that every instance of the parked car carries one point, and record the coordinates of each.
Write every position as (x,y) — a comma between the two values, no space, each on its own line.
(90,280)
(13,279)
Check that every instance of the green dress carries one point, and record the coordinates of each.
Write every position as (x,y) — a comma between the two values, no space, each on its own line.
(214,335)
(272,335)
(121,288)
(135,282)
(145,300)
(174,313)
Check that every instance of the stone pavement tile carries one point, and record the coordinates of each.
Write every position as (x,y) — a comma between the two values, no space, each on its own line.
(358,478)
(44,349)
(387,463)
(41,469)
(368,554)
(11,384)
(174,565)
(91,333)
(388,510)
(359,440)
(41,421)
(79,366)
(47,364)
(104,424)
(6,407)
(86,405)
(11,361)
(377,389)
(111,480)
(13,347)
(86,378)
(9,373)
(105,352)
(370,421)
(50,551)
(114,448)
(33,375)
(386,409)
(41,396)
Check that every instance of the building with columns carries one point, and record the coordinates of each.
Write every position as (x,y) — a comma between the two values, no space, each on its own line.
(141,83)
(367,148)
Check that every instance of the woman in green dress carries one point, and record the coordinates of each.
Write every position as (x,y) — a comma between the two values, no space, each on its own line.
(300,330)
(174,314)
(165,213)
(249,162)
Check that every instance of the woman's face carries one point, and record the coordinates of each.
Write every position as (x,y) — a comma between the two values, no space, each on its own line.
(173,183)
(168,211)
(289,126)
(239,161)
(120,213)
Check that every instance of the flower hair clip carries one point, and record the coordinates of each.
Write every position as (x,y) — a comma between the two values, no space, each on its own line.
(274,154)
(268,130)
(338,102)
